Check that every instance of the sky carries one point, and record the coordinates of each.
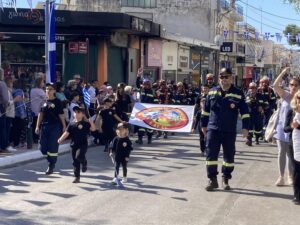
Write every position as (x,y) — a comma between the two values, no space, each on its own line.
(262,20)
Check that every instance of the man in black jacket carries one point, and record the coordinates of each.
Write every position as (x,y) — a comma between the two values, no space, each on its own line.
(3,105)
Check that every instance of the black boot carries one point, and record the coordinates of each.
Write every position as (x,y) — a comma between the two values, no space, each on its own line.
(165,135)
(249,142)
(139,141)
(212,184)
(84,166)
(50,169)
(225,184)
(76,180)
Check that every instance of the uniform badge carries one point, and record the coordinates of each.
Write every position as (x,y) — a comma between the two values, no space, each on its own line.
(110,113)
(52,106)
(45,105)
(124,144)
(80,126)
(232,105)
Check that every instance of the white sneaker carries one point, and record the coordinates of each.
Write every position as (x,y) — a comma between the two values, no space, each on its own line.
(11,149)
(290,180)
(114,181)
(124,180)
(280,181)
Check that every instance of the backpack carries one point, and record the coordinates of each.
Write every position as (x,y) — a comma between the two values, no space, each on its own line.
(272,124)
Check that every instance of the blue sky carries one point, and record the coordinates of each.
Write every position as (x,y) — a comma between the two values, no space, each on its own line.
(270,23)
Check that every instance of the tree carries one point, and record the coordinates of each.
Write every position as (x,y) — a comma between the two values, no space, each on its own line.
(293,30)
(295,3)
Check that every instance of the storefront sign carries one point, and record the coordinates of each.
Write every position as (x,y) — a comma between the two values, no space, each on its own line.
(154,56)
(248,72)
(82,48)
(73,47)
(227,47)
(14,37)
(30,17)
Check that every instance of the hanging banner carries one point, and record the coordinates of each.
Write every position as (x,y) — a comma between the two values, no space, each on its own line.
(173,118)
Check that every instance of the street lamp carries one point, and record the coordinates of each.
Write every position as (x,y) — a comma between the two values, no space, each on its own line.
(226,58)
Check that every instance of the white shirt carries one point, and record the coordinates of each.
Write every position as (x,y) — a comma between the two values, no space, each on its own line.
(92,92)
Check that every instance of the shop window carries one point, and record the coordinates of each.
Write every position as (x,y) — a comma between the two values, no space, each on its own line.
(140,3)
(28,57)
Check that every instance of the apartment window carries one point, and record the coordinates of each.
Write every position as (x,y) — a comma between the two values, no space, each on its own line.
(140,3)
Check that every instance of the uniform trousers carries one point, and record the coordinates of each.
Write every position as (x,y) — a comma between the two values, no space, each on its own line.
(216,139)
(122,162)
(50,133)
(78,155)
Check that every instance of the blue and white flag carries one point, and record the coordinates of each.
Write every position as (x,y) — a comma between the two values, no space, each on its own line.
(50,74)
(30,3)
(1,5)
(14,4)
(86,97)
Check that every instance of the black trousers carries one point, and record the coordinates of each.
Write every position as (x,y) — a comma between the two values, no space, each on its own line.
(34,135)
(202,140)
(18,128)
(122,162)
(78,155)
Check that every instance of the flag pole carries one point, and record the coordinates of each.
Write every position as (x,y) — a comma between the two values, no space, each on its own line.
(48,76)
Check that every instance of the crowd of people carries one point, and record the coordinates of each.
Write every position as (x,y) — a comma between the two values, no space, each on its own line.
(55,112)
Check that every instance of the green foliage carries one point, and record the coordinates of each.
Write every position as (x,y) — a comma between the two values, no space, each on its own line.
(295,3)
(293,30)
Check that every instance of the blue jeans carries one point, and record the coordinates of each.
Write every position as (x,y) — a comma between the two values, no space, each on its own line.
(3,134)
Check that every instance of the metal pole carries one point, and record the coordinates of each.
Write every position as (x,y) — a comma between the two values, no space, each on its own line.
(47,71)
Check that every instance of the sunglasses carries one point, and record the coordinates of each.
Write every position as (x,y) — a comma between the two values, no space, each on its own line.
(209,79)
(224,77)
(252,87)
(293,85)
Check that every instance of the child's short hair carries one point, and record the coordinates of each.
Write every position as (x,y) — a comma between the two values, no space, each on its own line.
(78,109)
(74,94)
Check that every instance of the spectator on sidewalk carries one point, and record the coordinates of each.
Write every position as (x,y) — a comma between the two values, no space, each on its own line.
(283,139)
(60,94)
(3,104)
(37,98)
(291,127)
(10,113)
(19,122)
(74,102)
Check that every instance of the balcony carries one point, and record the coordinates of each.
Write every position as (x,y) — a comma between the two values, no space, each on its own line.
(236,11)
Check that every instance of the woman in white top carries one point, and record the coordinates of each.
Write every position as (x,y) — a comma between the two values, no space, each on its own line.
(283,138)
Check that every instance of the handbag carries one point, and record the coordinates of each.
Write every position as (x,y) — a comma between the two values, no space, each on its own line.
(272,124)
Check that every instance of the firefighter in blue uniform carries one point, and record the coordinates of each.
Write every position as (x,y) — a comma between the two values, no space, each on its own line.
(270,97)
(219,120)
(181,96)
(146,96)
(50,124)
(256,105)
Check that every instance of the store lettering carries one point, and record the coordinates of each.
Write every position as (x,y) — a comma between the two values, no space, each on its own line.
(34,16)
(57,38)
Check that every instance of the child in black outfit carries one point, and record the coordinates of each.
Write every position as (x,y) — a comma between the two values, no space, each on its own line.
(120,149)
(78,131)
(109,119)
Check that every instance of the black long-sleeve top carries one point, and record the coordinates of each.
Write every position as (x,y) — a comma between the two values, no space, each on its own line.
(121,147)
(287,126)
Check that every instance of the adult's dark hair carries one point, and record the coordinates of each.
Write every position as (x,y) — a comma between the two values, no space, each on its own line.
(59,85)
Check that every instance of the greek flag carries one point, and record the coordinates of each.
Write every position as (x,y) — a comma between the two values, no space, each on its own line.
(50,26)
(30,3)
(14,4)
(86,97)
(1,5)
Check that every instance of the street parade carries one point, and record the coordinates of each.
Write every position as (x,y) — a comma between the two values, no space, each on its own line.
(108,117)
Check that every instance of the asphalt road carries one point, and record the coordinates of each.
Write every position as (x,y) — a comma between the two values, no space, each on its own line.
(165,186)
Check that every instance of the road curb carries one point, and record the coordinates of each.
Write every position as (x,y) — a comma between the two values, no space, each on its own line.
(34,155)
(12,160)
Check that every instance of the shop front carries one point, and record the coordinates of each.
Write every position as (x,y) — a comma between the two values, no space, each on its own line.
(87,43)
(169,60)
(153,61)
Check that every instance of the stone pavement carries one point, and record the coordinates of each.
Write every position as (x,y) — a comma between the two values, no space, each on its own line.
(165,186)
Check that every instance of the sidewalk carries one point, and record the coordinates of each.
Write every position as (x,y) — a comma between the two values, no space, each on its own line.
(24,155)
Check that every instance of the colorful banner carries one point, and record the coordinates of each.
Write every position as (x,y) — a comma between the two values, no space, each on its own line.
(173,118)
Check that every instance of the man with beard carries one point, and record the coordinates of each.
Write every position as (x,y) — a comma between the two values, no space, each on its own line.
(219,122)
